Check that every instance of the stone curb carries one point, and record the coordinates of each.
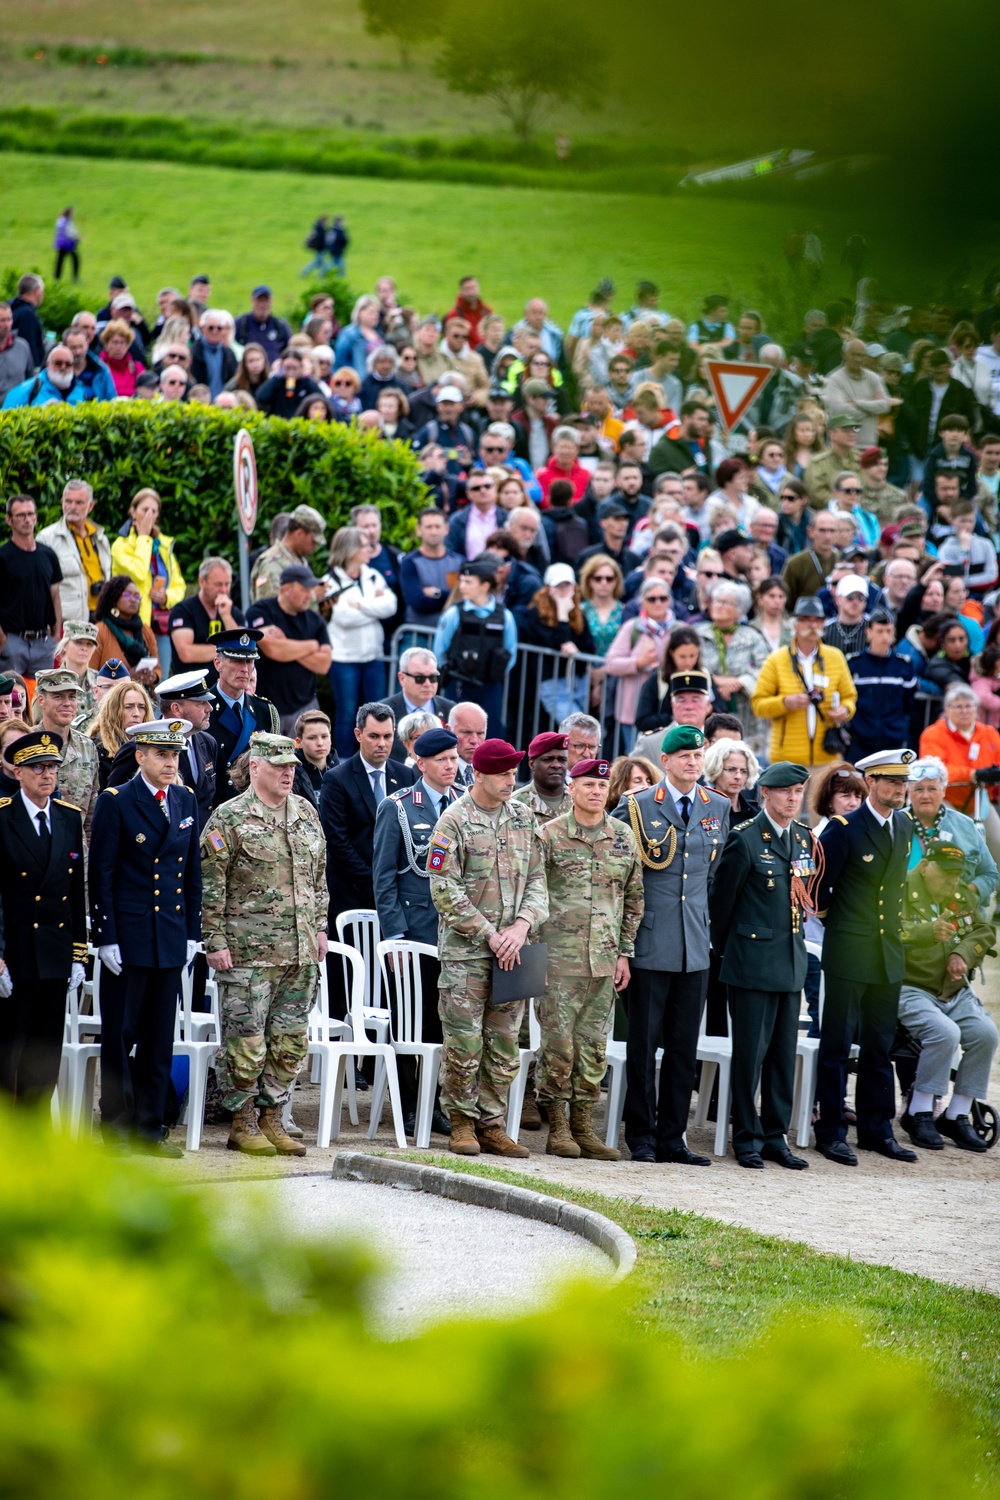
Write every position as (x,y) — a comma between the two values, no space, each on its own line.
(461,1187)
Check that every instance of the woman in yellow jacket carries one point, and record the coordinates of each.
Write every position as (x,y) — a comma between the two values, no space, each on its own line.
(784,685)
(147,557)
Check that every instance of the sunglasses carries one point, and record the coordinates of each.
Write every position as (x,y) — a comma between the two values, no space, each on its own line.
(213,328)
(477,489)
(602,578)
(788,495)
(492,447)
(850,489)
(657,599)
(704,573)
(343,382)
(421,677)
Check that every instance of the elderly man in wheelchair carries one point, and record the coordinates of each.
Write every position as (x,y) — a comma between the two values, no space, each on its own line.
(945,938)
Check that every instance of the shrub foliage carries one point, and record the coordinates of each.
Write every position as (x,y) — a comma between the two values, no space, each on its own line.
(186,454)
(150,1350)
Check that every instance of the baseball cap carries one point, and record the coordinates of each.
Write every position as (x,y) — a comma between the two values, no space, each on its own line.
(851,584)
(261,291)
(449,393)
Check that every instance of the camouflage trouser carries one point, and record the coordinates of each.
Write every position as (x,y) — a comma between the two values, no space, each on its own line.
(574,1015)
(480,1059)
(264,1040)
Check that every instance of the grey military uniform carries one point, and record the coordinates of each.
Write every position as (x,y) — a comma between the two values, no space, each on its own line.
(403,826)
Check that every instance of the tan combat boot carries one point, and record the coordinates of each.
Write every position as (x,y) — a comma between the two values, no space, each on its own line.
(271,1125)
(560,1142)
(531,1117)
(463,1136)
(244,1135)
(582,1130)
(496,1142)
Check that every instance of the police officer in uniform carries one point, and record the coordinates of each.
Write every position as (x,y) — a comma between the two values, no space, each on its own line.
(403,826)
(236,714)
(866,856)
(145,918)
(681,828)
(43,917)
(755,905)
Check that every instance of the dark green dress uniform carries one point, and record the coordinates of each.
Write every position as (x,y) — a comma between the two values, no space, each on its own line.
(757,929)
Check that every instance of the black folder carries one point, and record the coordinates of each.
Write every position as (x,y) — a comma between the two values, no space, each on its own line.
(526,979)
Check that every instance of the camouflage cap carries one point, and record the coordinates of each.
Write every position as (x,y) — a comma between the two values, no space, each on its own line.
(274,748)
(57,680)
(308,519)
(80,630)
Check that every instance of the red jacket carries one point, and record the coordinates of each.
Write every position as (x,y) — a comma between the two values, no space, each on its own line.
(471,315)
(578,476)
(124,372)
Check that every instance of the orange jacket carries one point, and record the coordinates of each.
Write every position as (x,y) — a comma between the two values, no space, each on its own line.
(962,757)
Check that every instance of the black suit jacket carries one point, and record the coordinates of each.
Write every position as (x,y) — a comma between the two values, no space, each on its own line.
(265,717)
(124,767)
(347,812)
(43,922)
(199,367)
(957,401)
(862,896)
(438,705)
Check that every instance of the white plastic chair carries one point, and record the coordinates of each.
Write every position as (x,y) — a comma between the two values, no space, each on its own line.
(342,1054)
(615,1058)
(527,1055)
(807,1067)
(715,1052)
(197,1036)
(359,929)
(323,1030)
(407,1041)
(80,1055)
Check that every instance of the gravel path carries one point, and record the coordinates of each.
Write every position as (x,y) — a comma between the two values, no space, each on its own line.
(443,1259)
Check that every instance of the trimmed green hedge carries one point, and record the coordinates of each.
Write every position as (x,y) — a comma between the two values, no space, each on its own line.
(186,454)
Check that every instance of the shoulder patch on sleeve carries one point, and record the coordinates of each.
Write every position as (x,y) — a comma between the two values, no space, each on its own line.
(71,805)
(214,838)
(440,840)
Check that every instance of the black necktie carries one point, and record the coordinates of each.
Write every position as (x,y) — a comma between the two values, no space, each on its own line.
(685,809)
(238,711)
(43,832)
(786,846)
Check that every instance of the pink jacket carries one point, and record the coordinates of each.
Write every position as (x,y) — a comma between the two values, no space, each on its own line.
(620,662)
(989,701)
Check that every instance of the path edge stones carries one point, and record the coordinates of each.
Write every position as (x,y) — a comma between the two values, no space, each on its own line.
(461,1187)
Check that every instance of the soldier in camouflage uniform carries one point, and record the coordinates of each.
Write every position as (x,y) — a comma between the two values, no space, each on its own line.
(488,885)
(306,531)
(264,921)
(594,878)
(58,688)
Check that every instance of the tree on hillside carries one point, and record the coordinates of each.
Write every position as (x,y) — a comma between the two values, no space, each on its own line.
(523,55)
(415,22)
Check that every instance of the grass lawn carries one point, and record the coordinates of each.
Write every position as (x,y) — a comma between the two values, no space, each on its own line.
(159,223)
(718,1288)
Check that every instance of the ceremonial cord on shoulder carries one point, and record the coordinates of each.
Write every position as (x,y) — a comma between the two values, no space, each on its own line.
(804,894)
(643,840)
(408,845)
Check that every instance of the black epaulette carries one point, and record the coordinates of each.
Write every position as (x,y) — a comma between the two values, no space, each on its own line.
(71,805)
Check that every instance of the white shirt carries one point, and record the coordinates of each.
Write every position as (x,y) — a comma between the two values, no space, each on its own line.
(154,791)
(880,820)
(32,810)
(807,663)
(371,771)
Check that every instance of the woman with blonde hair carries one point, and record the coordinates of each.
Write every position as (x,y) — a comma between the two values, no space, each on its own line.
(126,704)
(361,602)
(360,337)
(175,330)
(143,553)
(117,338)
(601,590)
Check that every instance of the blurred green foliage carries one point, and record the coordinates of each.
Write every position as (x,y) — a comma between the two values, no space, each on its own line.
(151,1349)
(186,454)
(331,282)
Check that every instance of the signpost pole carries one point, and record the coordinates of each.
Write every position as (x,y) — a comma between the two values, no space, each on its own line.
(245,485)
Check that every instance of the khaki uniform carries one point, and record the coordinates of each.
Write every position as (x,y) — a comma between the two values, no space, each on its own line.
(264,898)
(821,471)
(543,811)
(78,775)
(483,876)
(594,879)
(268,569)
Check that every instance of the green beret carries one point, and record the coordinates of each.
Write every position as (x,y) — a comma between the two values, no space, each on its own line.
(784,773)
(682,737)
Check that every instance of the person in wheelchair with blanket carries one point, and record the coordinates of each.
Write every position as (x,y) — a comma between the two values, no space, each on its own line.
(945,938)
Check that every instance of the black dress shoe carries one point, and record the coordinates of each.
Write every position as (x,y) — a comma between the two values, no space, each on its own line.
(961,1132)
(440,1124)
(157,1148)
(838,1151)
(923,1131)
(750,1159)
(410,1125)
(682,1157)
(784,1158)
(643,1153)
(360,1081)
(889,1147)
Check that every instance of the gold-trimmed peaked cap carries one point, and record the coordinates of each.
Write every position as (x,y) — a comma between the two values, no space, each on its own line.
(39,748)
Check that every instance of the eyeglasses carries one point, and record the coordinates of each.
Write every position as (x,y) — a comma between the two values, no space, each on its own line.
(213,328)
(657,599)
(493,447)
(343,382)
(421,677)
(60,364)
(854,489)
(477,489)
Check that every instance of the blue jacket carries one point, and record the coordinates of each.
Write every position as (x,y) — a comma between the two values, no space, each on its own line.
(96,381)
(39,391)
(145,875)
(353,349)
(403,898)
(886,685)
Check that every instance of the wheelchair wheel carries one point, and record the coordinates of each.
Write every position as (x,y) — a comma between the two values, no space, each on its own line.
(985,1122)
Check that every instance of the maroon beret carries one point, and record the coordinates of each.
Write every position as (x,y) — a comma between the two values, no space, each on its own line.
(869,457)
(546,741)
(495,756)
(596,768)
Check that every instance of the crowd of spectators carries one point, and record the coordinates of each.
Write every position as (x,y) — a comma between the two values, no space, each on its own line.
(826,573)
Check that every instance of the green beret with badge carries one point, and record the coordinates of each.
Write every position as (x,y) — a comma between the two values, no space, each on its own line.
(682,737)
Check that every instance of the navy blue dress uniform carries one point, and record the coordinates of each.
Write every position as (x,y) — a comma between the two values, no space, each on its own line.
(670,967)
(404,823)
(145,899)
(232,723)
(197,763)
(861,902)
(43,924)
(756,906)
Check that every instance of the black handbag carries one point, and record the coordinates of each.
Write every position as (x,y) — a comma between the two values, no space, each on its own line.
(836,737)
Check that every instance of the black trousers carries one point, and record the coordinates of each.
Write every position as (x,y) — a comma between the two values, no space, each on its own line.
(664,1010)
(31,1037)
(867,1012)
(70,255)
(430,973)
(765,1032)
(138,1009)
